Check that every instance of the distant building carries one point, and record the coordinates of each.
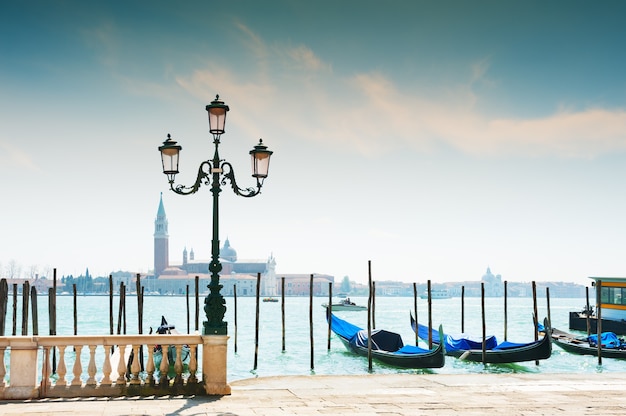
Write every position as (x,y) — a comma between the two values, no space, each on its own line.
(493,284)
(161,240)
(242,274)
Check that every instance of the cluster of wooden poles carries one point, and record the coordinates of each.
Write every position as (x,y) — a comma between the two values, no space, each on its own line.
(371,309)
(121,316)
(29,301)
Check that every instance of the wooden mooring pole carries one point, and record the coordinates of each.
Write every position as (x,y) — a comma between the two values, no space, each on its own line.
(188,310)
(482,309)
(235,312)
(329,311)
(415,313)
(548,308)
(33,302)
(25,295)
(535,314)
(599,316)
(588,313)
(369,316)
(256,321)
(282,308)
(311,322)
(14,309)
(111,325)
(197,294)
(74,309)
(4,299)
(430,316)
(505,310)
(139,291)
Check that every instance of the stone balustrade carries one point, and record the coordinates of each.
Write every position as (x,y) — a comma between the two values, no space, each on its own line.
(90,366)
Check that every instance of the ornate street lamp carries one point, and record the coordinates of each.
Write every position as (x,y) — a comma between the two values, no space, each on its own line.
(214,173)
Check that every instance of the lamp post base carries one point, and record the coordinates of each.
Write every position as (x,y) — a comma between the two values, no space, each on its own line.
(208,329)
(214,353)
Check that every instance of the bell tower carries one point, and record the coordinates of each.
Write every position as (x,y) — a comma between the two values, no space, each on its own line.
(161,240)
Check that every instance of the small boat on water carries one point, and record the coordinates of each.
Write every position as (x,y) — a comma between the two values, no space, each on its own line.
(470,348)
(612,304)
(437,294)
(612,345)
(270,299)
(386,347)
(345,305)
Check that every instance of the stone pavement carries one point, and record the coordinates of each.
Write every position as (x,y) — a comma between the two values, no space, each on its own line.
(388,395)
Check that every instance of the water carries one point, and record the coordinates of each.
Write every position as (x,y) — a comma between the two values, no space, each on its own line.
(392,313)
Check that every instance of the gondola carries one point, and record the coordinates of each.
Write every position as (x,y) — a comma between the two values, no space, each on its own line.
(612,345)
(386,347)
(166,328)
(471,349)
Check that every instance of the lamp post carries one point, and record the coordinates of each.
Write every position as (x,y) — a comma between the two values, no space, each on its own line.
(215,172)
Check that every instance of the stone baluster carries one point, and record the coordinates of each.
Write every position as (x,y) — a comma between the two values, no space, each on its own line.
(121,365)
(91,368)
(78,368)
(178,366)
(61,370)
(164,367)
(3,369)
(193,363)
(106,367)
(150,365)
(45,368)
(135,367)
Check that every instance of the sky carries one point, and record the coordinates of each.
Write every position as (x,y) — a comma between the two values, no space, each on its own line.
(430,140)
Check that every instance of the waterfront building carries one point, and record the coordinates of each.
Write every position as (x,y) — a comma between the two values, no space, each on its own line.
(177,279)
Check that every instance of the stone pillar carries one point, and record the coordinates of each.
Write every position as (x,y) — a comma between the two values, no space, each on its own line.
(23,369)
(214,351)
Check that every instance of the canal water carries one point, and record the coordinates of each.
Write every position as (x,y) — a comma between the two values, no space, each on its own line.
(391,313)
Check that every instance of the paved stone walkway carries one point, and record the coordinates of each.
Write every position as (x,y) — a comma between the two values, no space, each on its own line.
(388,395)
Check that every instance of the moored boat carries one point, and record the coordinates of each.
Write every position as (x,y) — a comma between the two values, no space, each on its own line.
(345,305)
(612,302)
(612,346)
(386,347)
(470,348)
(437,294)
(166,328)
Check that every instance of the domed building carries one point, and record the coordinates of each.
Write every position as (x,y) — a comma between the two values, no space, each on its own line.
(493,284)
(228,253)
(175,279)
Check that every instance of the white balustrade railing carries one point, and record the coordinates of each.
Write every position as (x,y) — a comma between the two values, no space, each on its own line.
(98,365)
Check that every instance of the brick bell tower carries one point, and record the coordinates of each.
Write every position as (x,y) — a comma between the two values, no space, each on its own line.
(161,241)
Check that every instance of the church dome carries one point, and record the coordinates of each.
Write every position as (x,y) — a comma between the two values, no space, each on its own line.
(228,253)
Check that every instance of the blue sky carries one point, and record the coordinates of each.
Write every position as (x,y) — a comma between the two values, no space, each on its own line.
(435,139)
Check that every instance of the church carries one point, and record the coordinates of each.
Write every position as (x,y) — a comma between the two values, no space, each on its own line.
(178,279)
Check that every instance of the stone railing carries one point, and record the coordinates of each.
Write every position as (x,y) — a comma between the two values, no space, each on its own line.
(90,366)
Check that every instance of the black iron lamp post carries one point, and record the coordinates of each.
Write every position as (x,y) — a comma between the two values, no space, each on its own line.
(215,173)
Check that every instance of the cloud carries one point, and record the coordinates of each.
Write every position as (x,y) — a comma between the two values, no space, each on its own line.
(306,59)
(11,155)
(583,134)
(370,113)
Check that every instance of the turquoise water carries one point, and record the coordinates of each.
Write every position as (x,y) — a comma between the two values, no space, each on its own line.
(392,313)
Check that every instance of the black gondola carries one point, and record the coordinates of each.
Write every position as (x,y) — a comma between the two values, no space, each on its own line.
(470,348)
(387,347)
